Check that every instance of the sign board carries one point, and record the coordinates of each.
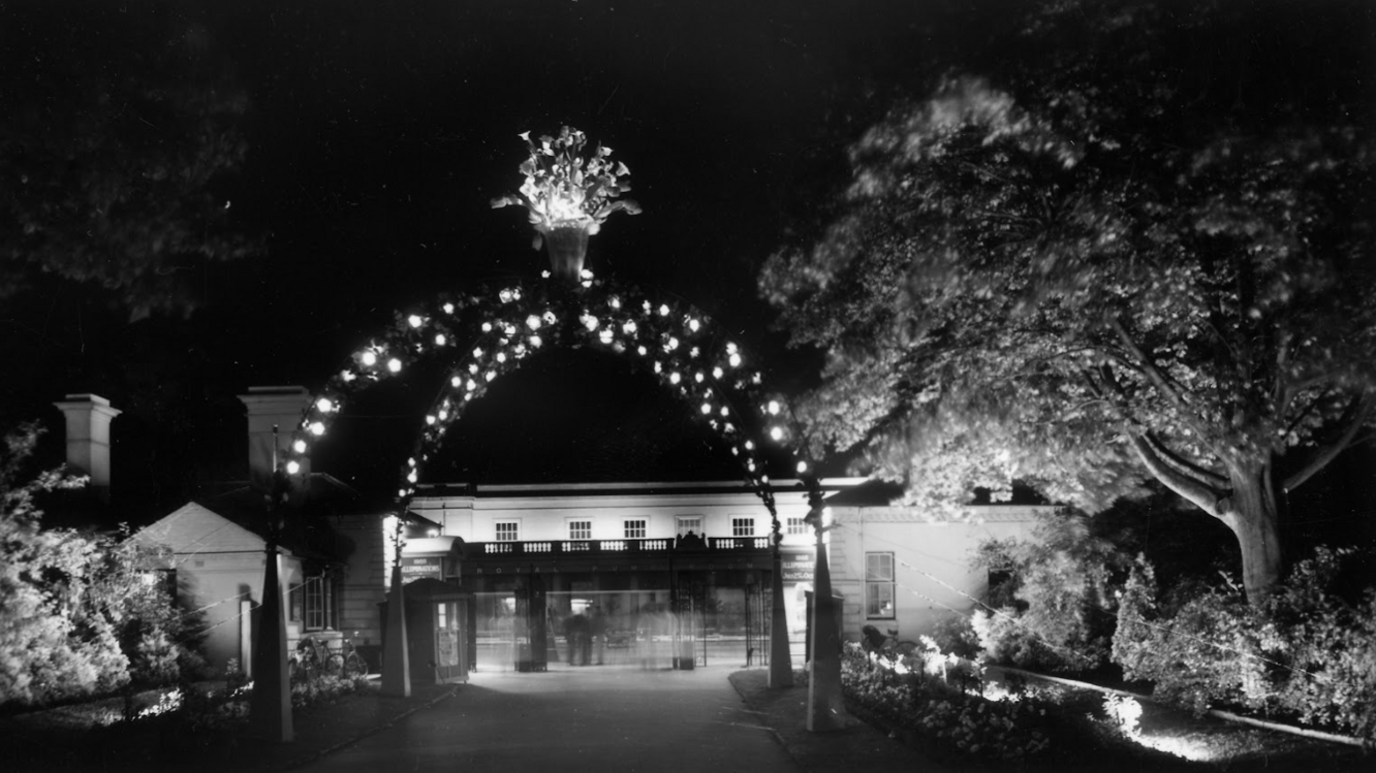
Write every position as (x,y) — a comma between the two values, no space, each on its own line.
(798,565)
(418,567)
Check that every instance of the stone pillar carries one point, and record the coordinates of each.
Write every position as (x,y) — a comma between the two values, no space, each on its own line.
(826,708)
(780,654)
(88,439)
(396,660)
(270,704)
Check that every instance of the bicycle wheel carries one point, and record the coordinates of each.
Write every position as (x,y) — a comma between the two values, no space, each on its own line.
(908,654)
(334,664)
(355,665)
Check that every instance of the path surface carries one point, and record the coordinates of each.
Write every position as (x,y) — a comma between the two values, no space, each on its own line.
(592,718)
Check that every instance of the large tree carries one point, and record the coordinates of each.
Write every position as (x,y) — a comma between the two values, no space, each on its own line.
(119,124)
(1120,256)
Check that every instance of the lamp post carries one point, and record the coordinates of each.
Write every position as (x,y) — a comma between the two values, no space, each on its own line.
(826,709)
(270,703)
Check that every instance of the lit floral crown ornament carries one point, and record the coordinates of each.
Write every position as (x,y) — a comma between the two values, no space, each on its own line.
(564,190)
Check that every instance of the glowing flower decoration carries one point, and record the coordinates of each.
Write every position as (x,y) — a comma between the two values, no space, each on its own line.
(563,188)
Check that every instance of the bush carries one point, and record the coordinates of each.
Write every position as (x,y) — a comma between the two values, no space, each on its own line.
(78,615)
(1061,583)
(956,634)
(1305,653)
(962,724)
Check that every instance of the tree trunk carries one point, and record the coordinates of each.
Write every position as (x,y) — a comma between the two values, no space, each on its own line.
(1254,512)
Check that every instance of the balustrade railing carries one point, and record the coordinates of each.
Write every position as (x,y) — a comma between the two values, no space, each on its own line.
(555,547)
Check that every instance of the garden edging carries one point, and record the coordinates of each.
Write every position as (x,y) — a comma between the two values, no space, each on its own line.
(1226,716)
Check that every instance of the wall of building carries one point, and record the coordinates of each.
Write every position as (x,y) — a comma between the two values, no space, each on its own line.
(219,564)
(363,581)
(547,517)
(934,577)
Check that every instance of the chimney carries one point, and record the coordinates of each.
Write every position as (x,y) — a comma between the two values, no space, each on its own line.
(88,439)
(272,406)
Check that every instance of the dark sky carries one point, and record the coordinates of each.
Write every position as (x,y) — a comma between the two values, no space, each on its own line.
(378,133)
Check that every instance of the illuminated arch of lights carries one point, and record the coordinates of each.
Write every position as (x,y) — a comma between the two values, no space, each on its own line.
(491,333)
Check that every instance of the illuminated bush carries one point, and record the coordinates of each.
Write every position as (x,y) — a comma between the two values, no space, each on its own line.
(1305,654)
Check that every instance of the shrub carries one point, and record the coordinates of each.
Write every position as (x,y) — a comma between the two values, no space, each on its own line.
(956,634)
(1304,653)
(963,724)
(1061,583)
(78,616)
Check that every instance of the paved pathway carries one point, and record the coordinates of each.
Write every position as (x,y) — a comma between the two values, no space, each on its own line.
(593,718)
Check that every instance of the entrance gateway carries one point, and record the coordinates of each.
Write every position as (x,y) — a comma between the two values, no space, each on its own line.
(484,335)
(668,598)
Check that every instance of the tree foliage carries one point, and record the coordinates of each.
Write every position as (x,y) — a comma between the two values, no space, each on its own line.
(1056,607)
(1096,267)
(118,127)
(78,615)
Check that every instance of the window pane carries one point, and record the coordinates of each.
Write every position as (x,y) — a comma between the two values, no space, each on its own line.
(315,606)
(796,526)
(742,527)
(878,599)
(687,523)
(580,529)
(508,531)
(635,529)
(879,566)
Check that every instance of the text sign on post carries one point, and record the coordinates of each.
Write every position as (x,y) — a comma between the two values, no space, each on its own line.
(798,565)
(418,567)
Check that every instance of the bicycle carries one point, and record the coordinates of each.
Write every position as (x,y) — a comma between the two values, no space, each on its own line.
(310,660)
(890,648)
(314,658)
(351,663)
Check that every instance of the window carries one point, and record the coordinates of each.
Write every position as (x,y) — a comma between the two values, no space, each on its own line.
(796,525)
(580,529)
(318,606)
(635,529)
(508,531)
(742,527)
(687,523)
(879,585)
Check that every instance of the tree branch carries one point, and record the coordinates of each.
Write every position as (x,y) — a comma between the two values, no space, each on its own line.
(1161,382)
(1356,415)
(1185,466)
(1204,496)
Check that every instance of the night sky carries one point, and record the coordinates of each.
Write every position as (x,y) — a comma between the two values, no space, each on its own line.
(377,135)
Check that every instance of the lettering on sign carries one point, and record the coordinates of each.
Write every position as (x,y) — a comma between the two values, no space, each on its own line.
(798,566)
(415,568)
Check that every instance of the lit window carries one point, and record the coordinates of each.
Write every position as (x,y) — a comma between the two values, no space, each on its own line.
(796,526)
(879,585)
(687,523)
(635,529)
(580,529)
(742,527)
(508,531)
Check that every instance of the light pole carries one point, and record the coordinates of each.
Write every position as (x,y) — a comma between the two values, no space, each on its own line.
(826,709)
